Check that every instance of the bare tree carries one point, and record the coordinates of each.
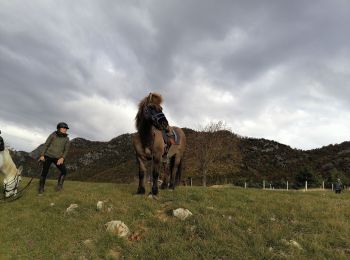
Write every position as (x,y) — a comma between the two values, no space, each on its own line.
(208,146)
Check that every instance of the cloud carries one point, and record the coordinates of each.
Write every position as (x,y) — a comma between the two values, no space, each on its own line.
(273,69)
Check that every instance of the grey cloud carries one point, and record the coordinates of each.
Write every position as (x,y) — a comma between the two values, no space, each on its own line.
(71,60)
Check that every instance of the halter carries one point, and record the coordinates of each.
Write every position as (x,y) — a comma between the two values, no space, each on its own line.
(158,118)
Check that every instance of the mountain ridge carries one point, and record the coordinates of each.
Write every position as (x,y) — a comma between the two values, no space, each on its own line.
(241,159)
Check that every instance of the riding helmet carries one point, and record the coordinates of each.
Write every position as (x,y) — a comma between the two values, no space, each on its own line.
(62,125)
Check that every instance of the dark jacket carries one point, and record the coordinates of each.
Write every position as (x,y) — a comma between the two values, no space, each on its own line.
(338,185)
(56,146)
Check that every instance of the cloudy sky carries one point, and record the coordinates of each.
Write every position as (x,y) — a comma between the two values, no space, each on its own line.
(273,69)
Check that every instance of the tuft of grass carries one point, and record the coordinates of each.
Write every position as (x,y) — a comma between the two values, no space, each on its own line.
(227,223)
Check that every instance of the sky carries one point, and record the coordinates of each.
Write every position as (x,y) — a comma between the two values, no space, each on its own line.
(274,69)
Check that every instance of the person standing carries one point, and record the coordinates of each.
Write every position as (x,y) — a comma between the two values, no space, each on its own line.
(338,186)
(55,151)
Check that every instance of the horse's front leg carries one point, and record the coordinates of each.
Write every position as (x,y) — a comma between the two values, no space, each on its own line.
(155,175)
(142,169)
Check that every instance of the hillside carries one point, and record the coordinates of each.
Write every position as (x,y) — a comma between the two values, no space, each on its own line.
(240,160)
(227,223)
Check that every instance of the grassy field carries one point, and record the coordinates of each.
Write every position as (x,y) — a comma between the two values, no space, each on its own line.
(227,223)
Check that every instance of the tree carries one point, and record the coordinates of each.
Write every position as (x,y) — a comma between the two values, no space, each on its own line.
(207,146)
(307,174)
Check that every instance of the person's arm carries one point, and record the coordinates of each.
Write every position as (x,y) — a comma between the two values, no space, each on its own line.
(65,152)
(46,145)
(66,149)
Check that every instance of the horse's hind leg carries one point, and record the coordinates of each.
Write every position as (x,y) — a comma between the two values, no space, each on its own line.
(174,164)
(178,173)
(142,170)
(165,176)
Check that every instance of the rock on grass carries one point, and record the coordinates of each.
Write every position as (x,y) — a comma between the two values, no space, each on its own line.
(72,208)
(117,227)
(182,213)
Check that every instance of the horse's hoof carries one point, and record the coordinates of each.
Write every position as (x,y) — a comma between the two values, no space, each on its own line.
(164,186)
(141,191)
(152,197)
(172,186)
(155,190)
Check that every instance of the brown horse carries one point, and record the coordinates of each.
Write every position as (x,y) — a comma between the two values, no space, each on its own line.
(149,144)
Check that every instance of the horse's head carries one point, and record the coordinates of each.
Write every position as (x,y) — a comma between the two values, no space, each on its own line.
(148,115)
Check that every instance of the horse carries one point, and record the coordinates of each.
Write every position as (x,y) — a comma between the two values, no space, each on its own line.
(12,175)
(149,145)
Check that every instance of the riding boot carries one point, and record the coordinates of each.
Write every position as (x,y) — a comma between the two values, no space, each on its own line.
(60,182)
(41,185)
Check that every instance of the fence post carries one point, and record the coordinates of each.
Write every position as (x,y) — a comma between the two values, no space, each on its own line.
(306,185)
(191,181)
(332,186)
(245,185)
(322,185)
(264,184)
(287,185)
(270,186)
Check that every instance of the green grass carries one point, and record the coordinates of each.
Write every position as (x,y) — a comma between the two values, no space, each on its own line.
(227,223)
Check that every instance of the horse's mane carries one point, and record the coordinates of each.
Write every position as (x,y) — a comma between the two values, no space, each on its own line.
(144,125)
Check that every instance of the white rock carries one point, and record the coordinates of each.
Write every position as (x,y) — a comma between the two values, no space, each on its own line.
(182,213)
(52,204)
(100,205)
(72,208)
(292,243)
(295,244)
(118,228)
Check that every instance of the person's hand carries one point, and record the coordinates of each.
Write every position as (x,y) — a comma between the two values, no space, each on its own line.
(42,158)
(60,161)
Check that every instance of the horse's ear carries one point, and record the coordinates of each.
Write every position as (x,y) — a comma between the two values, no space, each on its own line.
(19,170)
(150,97)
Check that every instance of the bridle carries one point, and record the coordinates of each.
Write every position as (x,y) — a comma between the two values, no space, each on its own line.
(15,181)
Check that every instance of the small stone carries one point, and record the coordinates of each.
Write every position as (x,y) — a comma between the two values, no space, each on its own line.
(118,228)
(52,204)
(295,244)
(72,208)
(89,243)
(113,254)
(182,213)
(229,217)
(99,205)
(273,219)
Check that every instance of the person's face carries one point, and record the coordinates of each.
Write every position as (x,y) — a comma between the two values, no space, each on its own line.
(63,130)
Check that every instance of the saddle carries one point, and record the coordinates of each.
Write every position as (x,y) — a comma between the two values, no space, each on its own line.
(170,138)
